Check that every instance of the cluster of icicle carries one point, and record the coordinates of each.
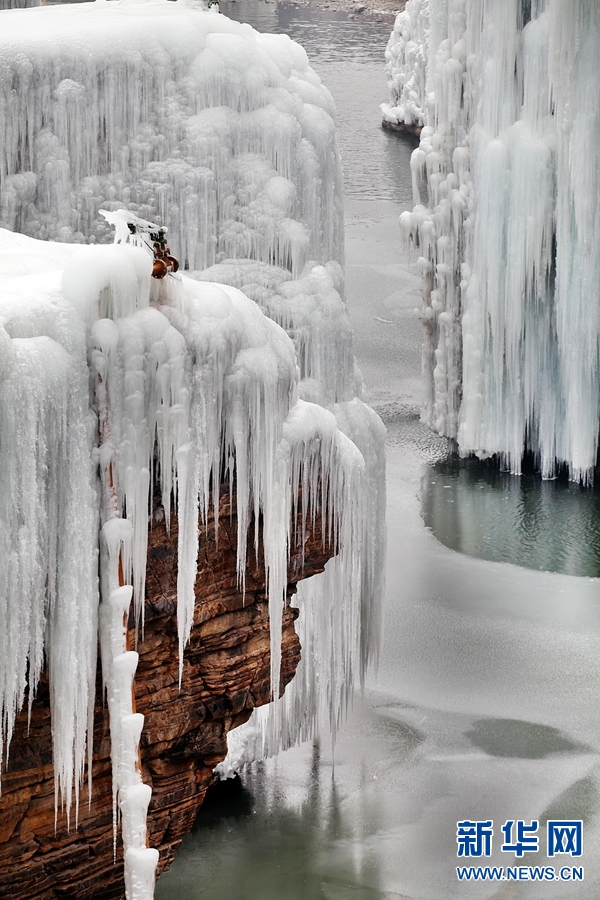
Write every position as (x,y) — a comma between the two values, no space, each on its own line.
(339,639)
(227,137)
(192,383)
(510,234)
(18,4)
(48,514)
(182,116)
(406,66)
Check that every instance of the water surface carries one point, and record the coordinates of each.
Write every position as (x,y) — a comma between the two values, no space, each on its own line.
(474,508)
(348,55)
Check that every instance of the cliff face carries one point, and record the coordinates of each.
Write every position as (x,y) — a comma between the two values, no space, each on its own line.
(225,675)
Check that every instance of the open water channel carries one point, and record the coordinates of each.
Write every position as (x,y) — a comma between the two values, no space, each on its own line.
(486,703)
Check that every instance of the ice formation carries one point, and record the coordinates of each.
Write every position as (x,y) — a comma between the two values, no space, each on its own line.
(339,641)
(48,532)
(192,384)
(509,228)
(406,66)
(227,137)
(183,116)
(18,4)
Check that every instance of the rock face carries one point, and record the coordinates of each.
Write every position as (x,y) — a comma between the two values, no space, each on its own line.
(225,675)
(402,128)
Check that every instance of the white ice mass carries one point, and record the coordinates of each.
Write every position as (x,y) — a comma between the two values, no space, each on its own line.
(110,380)
(506,222)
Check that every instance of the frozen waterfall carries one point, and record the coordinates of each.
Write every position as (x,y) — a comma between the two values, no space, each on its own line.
(184,383)
(506,222)
(182,116)
(226,137)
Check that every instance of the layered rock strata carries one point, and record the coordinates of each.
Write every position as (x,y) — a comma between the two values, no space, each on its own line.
(225,675)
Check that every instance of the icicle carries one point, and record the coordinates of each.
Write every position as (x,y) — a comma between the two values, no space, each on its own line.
(224,135)
(510,237)
(48,545)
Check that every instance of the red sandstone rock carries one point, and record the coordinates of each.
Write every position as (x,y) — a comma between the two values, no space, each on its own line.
(225,675)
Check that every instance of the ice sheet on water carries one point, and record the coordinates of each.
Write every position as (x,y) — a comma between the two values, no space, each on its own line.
(510,237)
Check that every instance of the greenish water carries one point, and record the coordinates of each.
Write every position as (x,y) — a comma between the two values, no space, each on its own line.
(472,507)
(262,838)
(249,844)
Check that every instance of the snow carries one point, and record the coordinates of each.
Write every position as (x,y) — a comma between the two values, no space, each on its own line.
(509,235)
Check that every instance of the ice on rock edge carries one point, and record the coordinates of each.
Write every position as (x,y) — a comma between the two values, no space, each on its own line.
(227,137)
(510,236)
(200,388)
(312,311)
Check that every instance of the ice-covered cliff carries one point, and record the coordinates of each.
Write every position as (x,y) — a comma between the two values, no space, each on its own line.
(227,137)
(190,385)
(110,383)
(506,222)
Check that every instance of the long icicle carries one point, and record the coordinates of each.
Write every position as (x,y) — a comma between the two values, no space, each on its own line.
(130,795)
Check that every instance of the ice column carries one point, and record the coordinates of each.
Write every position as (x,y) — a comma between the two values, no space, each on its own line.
(130,796)
(48,537)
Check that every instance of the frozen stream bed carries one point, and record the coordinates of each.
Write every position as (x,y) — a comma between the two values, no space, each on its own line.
(486,703)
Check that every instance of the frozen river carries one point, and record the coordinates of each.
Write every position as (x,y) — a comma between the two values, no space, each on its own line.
(486,703)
